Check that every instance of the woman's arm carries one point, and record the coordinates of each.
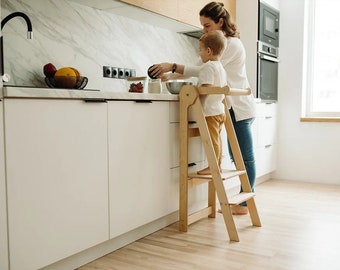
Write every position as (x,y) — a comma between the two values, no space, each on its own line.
(159,69)
(164,71)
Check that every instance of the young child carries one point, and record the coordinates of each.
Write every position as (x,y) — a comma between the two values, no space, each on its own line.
(212,73)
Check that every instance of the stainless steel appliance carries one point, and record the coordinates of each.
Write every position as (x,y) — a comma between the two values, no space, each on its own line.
(269,19)
(267,53)
(267,71)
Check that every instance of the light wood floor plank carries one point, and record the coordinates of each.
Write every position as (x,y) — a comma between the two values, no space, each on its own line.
(301,230)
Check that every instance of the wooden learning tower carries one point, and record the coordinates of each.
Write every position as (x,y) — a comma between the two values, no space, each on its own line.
(190,97)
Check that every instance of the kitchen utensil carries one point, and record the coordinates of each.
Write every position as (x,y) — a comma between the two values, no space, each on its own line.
(150,75)
(155,86)
(175,86)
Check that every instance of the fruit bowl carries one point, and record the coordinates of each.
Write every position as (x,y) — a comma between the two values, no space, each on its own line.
(66,82)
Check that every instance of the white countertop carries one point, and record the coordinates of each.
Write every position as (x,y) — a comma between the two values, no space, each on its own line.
(53,93)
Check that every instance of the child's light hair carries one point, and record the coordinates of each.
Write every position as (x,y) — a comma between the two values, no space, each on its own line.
(213,40)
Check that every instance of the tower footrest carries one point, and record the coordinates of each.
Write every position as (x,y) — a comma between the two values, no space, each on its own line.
(241,197)
(225,174)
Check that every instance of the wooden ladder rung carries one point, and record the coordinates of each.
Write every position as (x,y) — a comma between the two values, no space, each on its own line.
(197,181)
(226,174)
(203,213)
(193,131)
(241,197)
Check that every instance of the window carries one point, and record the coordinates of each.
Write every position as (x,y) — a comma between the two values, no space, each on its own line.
(323,58)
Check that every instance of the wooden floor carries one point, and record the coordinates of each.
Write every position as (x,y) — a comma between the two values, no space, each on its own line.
(300,231)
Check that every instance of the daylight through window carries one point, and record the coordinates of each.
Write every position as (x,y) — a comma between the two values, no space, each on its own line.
(324,59)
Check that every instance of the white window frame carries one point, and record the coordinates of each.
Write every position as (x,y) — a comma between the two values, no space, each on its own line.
(309,63)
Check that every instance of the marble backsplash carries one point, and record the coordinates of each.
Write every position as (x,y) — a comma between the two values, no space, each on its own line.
(69,34)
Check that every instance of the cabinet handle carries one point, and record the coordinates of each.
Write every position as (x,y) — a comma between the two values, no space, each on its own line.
(95,100)
(192,164)
(143,101)
(267,146)
(268,117)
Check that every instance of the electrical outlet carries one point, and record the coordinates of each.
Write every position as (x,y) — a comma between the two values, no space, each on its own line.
(121,73)
(127,72)
(132,72)
(117,72)
(114,72)
(107,72)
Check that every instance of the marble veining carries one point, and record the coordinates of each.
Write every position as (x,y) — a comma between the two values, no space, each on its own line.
(70,34)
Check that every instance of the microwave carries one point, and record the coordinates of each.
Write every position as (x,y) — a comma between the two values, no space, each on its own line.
(269,19)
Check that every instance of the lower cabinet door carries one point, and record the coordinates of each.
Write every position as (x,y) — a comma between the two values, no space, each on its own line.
(139,178)
(3,202)
(57,177)
(195,148)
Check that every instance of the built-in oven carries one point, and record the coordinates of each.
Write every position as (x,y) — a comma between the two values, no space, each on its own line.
(267,72)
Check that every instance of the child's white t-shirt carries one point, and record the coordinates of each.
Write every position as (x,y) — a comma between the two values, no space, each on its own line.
(233,59)
(212,72)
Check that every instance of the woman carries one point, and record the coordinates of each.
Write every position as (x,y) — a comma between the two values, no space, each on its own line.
(214,16)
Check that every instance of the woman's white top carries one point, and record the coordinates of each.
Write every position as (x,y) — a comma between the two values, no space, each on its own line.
(233,60)
(212,72)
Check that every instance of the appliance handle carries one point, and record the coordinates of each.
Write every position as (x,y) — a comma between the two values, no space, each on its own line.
(269,58)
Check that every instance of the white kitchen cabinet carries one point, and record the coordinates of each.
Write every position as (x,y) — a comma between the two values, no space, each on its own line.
(197,195)
(265,134)
(195,152)
(195,149)
(3,203)
(57,177)
(139,173)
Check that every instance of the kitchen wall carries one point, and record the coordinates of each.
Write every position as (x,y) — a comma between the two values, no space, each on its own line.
(69,34)
(273,3)
(306,151)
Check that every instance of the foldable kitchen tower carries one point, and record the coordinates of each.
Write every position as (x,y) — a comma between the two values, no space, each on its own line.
(190,97)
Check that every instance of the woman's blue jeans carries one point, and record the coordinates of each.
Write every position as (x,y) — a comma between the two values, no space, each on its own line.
(245,141)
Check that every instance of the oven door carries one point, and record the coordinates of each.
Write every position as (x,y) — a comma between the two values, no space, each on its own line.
(267,73)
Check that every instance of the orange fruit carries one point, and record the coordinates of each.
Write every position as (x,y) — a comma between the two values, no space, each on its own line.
(77,72)
(66,77)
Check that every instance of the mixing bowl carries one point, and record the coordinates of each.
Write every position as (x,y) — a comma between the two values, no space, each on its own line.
(174,87)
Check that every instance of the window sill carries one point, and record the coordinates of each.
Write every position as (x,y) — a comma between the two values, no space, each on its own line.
(320,119)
